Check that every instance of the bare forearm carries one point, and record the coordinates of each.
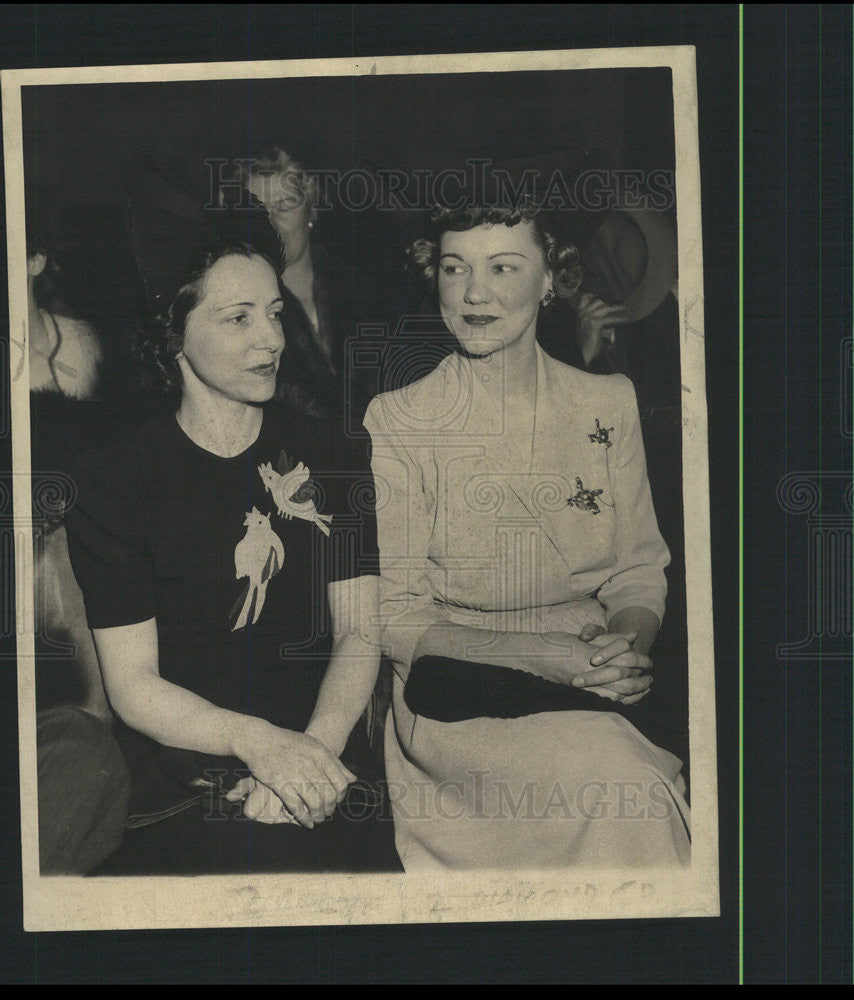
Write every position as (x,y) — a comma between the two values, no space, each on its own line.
(297,770)
(557,656)
(640,620)
(176,717)
(347,685)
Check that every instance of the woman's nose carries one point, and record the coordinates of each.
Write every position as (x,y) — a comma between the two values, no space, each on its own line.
(273,336)
(477,290)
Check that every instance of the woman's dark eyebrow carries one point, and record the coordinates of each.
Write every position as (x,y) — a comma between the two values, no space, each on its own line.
(234,305)
(502,253)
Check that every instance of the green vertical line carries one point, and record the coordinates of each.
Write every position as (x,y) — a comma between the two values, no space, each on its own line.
(741,494)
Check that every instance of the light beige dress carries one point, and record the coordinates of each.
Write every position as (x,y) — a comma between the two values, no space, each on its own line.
(534,530)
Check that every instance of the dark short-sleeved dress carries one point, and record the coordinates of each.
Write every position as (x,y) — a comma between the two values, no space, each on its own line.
(232,557)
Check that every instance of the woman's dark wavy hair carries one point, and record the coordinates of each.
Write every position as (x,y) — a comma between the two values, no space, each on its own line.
(561,256)
(163,339)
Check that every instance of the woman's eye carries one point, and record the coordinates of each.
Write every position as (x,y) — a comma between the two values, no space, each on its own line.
(287,204)
(452,268)
(502,268)
(276,317)
(238,319)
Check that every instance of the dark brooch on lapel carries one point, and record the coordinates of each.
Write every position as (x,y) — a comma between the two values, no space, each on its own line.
(585,499)
(601,435)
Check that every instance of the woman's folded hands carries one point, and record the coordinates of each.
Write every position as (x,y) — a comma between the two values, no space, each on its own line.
(617,670)
(294,777)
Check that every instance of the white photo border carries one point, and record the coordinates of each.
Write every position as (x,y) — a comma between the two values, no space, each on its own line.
(77,903)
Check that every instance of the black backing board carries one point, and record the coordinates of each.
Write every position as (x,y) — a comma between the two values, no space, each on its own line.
(797,870)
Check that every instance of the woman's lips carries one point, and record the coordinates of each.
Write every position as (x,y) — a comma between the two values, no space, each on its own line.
(264,370)
(478,320)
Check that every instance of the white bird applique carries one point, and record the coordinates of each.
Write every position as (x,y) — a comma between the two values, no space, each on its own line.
(285,489)
(259,555)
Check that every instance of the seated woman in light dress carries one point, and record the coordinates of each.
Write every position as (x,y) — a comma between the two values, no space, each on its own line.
(522,580)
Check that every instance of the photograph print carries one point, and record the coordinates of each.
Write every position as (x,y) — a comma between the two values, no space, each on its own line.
(361,487)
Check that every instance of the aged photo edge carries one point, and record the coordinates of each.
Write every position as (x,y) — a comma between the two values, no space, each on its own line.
(59,904)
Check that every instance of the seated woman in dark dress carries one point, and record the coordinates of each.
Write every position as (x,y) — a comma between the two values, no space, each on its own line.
(227,556)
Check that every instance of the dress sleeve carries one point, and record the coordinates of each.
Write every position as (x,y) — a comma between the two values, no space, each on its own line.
(637,578)
(106,540)
(407,608)
(352,544)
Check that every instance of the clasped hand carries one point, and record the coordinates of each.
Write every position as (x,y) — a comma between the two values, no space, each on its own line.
(294,779)
(617,672)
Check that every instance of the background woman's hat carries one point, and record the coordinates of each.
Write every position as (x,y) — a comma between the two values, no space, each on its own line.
(630,260)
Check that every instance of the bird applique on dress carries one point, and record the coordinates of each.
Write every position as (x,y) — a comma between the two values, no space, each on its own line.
(259,555)
(292,492)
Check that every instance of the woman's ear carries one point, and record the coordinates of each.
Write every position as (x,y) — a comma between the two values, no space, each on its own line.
(36,263)
(549,276)
(548,285)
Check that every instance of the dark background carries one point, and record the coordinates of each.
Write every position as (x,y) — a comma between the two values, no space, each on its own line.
(797,871)
(84,143)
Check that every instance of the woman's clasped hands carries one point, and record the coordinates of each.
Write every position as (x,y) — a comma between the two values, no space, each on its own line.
(617,671)
(294,779)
